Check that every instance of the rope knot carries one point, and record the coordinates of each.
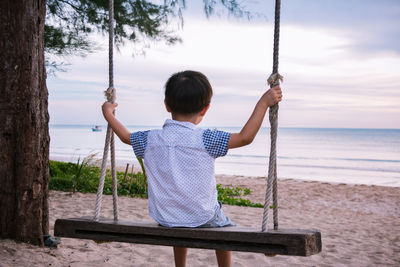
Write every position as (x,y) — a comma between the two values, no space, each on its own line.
(274,79)
(110,94)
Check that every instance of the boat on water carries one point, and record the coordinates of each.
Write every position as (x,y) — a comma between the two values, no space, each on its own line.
(96,128)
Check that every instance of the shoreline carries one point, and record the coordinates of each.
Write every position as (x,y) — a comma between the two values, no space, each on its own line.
(360,226)
(121,168)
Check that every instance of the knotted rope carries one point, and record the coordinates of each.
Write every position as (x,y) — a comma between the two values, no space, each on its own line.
(272,182)
(110,94)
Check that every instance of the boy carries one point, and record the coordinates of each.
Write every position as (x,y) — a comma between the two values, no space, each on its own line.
(179,159)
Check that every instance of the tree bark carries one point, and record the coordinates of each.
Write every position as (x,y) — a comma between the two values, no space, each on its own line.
(24,134)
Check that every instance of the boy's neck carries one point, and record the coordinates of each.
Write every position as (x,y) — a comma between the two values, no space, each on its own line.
(193,118)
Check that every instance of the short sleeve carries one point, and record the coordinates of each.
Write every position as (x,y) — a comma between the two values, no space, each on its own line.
(216,142)
(139,142)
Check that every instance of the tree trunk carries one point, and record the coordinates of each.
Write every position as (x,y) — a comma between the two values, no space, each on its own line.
(24,135)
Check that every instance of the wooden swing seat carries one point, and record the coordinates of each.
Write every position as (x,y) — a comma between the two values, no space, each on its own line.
(283,242)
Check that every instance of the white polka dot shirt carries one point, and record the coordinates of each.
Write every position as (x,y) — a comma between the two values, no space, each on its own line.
(179,162)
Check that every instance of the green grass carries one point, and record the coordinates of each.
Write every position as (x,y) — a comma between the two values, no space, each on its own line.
(83,176)
(233,196)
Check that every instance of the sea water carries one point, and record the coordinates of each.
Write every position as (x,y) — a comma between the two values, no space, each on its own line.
(353,156)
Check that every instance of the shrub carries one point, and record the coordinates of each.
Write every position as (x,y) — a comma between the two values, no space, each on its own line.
(83,176)
(232,196)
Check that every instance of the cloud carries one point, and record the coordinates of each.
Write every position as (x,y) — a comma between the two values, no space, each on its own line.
(327,82)
(373,25)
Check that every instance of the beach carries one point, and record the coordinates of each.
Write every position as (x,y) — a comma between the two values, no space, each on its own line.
(351,156)
(360,226)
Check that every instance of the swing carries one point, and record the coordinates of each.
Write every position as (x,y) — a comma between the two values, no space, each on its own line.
(292,242)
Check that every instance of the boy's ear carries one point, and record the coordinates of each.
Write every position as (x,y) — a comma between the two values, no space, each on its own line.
(203,112)
(166,106)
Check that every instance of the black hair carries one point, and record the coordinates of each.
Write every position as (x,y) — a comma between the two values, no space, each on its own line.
(188,92)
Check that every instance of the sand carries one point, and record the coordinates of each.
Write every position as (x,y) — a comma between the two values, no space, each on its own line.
(360,226)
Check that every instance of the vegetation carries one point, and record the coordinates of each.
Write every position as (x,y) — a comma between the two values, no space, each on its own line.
(83,176)
(233,196)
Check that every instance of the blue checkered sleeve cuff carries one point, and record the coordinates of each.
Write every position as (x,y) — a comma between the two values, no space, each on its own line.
(139,143)
(216,142)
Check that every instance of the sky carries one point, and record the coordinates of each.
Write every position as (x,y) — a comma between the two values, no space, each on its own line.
(340,60)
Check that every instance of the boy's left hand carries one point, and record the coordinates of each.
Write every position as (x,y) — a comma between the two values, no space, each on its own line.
(108,108)
(118,128)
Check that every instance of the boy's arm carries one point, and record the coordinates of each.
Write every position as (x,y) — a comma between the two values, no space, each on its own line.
(116,125)
(250,129)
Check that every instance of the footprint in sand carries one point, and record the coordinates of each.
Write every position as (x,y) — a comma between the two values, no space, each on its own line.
(248,256)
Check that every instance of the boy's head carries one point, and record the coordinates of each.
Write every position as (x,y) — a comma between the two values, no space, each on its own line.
(187,92)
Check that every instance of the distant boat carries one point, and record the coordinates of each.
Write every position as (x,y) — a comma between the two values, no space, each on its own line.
(96,128)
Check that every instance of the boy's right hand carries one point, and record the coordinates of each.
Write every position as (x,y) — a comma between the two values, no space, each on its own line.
(272,96)
(249,131)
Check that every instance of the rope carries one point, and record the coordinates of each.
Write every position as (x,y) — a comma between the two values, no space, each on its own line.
(110,43)
(114,178)
(102,175)
(109,142)
(273,80)
(112,99)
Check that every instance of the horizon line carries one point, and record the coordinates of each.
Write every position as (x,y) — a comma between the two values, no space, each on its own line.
(214,126)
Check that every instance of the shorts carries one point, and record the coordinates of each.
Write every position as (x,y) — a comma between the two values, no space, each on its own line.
(219,219)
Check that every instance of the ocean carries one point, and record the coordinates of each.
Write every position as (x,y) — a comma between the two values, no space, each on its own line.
(351,156)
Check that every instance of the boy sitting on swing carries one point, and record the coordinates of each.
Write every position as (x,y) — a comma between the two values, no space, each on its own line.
(179,158)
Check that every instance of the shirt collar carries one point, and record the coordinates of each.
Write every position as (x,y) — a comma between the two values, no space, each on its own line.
(185,124)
